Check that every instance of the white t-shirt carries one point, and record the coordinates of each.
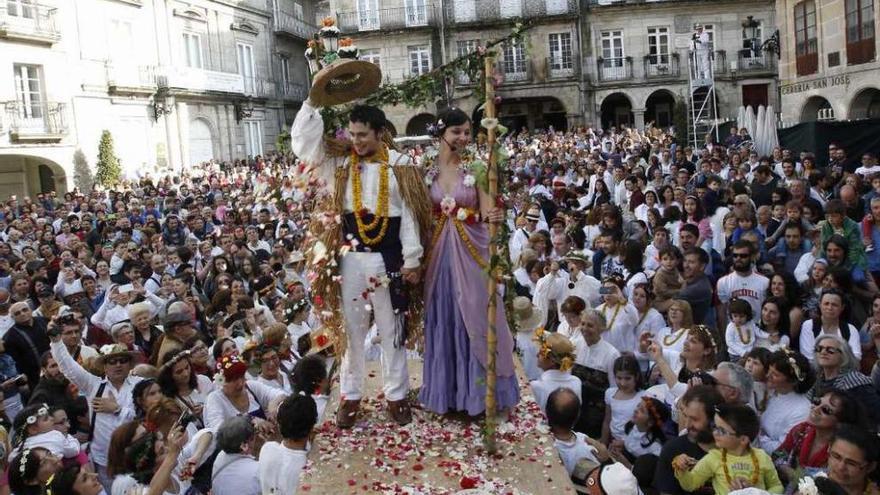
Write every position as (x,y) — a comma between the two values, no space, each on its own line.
(551,380)
(621,411)
(574,450)
(751,288)
(634,440)
(280,468)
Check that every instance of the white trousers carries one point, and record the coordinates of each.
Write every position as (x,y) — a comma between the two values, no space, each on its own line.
(356,270)
(704,64)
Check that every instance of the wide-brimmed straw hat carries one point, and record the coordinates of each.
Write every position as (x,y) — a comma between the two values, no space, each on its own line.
(113,350)
(344,81)
(527,316)
(321,339)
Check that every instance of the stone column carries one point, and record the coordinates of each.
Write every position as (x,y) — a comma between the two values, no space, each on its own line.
(639,118)
(172,136)
(181,110)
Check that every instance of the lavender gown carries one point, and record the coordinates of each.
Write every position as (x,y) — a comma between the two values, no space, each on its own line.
(454,377)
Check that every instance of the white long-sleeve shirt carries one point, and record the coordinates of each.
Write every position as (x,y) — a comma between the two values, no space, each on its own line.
(111,313)
(782,414)
(218,407)
(306,141)
(88,384)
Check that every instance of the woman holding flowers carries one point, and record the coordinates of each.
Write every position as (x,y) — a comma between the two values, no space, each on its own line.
(456,322)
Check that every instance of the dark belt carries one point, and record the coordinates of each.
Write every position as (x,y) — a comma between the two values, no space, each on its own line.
(389,247)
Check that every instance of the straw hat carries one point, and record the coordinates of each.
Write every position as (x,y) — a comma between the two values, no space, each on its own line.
(527,316)
(344,81)
(579,256)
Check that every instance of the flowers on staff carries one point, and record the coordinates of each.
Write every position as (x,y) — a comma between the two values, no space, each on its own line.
(489,123)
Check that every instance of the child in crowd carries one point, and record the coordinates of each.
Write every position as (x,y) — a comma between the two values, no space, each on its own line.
(793,214)
(35,427)
(282,463)
(836,222)
(868,226)
(734,462)
(577,450)
(741,331)
(621,401)
(644,432)
(310,377)
(667,280)
(555,357)
(755,362)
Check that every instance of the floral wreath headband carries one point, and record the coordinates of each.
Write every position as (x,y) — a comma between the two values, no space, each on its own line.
(798,372)
(565,360)
(176,359)
(22,464)
(704,329)
(41,412)
(652,410)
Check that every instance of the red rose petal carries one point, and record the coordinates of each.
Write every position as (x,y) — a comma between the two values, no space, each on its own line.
(418,467)
(352,482)
(468,483)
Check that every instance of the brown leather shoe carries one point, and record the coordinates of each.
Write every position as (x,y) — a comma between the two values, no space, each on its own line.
(400,412)
(346,416)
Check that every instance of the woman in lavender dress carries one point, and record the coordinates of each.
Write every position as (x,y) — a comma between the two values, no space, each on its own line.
(456,299)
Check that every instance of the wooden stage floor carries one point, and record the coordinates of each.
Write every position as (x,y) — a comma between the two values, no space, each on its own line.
(433,454)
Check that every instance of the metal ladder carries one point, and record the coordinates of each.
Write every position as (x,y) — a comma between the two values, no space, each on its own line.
(703,112)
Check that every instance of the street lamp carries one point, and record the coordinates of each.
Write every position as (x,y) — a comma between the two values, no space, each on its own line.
(771,44)
(163,103)
(244,110)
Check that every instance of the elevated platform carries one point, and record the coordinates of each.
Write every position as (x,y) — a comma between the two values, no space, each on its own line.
(433,454)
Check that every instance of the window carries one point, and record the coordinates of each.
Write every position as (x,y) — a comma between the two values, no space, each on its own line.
(29,91)
(192,50)
(806,41)
(560,51)
(754,50)
(510,8)
(285,72)
(368,15)
(246,66)
(710,30)
(419,60)
(464,10)
(372,55)
(253,137)
(21,8)
(121,40)
(514,61)
(465,47)
(612,48)
(416,13)
(859,31)
(298,11)
(658,46)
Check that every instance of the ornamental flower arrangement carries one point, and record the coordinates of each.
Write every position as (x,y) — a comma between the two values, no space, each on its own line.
(329,34)
(312,56)
(347,49)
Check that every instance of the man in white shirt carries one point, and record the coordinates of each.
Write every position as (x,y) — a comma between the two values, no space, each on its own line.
(869,166)
(235,470)
(110,398)
(743,283)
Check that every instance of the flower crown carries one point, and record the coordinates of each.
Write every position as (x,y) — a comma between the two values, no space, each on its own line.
(435,130)
(565,360)
(651,406)
(22,464)
(41,412)
(704,329)
(176,359)
(798,372)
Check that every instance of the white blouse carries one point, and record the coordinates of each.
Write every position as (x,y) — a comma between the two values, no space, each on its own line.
(782,414)
(218,407)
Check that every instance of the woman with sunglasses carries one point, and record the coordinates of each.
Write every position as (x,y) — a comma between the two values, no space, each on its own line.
(806,445)
(837,368)
(852,459)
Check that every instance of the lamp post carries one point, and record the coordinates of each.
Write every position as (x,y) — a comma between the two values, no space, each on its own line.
(771,44)
(163,103)
(244,109)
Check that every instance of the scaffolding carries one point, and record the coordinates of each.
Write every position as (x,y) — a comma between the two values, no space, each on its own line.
(703,111)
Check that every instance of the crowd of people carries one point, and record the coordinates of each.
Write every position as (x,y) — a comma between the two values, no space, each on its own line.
(703,317)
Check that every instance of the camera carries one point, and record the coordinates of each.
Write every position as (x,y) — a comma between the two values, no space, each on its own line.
(53,330)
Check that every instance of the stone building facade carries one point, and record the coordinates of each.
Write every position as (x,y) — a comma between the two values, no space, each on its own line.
(636,56)
(829,68)
(177,83)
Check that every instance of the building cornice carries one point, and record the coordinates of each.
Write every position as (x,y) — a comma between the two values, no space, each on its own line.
(238,6)
(628,6)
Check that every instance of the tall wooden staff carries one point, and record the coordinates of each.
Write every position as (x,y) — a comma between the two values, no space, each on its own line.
(492,340)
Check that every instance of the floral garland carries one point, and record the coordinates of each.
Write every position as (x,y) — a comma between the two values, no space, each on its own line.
(381,215)
(564,360)
(467,166)
(681,333)
(747,338)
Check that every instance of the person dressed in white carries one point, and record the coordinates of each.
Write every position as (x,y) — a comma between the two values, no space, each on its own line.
(235,470)
(743,283)
(528,319)
(703,49)
(110,398)
(555,357)
(563,406)
(281,463)
(621,316)
(830,322)
(789,377)
(237,396)
(375,181)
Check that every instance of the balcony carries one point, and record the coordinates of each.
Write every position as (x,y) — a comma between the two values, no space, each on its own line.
(515,72)
(258,88)
(290,25)
(615,69)
(198,80)
(387,19)
(466,12)
(749,62)
(131,79)
(561,67)
(28,22)
(45,122)
(662,67)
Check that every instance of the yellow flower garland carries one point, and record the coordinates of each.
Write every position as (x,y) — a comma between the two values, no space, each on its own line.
(381,215)
(438,229)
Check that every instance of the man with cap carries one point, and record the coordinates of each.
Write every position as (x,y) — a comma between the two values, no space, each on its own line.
(72,336)
(110,397)
(528,318)
(702,48)
(520,238)
(178,327)
(26,340)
